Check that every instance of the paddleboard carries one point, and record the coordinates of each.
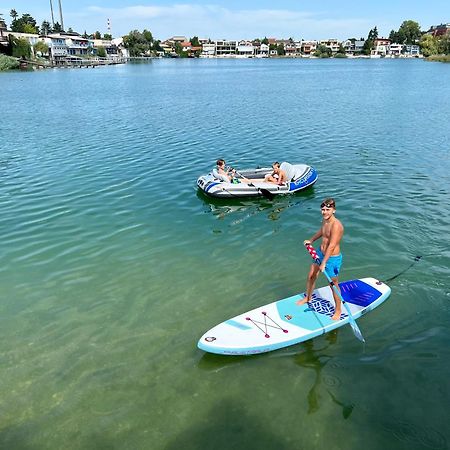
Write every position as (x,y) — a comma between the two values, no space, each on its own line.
(283,323)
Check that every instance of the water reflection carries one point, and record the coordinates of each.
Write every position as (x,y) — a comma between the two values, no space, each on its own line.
(241,210)
(316,360)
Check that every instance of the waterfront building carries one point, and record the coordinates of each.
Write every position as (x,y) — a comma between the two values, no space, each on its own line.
(439,30)
(412,50)
(111,49)
(395,49)
(308,47)
(57,47)
(262,51)
(3,33)
(332,44)
(353,46)
(225,48)
(208,50)
(245,49)
(78,45)
(380,47)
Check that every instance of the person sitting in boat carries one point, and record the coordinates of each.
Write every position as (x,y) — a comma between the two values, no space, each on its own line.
(223,173)
(278,176)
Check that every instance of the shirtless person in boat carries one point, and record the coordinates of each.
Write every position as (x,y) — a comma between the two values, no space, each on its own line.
(329,253)
(278,176)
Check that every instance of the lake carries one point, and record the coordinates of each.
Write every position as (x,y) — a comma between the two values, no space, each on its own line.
(113,265)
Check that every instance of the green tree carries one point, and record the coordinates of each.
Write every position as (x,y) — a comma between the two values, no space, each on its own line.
(46,28)
(444,44)
(137,43)
(429,45)
(280,50)
(40,47)
(341,50)
(13,14)
(194,41)
(323,51)
(24,24)
(57,28)
(97,35)
(148,37)
(107,37)
(410,32)
(21,48)
(101,52)
(265,41)
(368,43)
(157,46)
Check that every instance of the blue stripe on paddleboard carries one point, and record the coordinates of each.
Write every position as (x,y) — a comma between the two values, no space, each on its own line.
(236,324)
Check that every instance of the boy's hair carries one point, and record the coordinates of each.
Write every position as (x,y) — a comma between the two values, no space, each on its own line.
(219,162)
(329,203)
(276,163)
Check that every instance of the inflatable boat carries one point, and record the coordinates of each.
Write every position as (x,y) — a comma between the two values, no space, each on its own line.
(299,176)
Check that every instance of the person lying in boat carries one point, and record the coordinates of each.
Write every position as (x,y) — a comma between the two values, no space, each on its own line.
(223,173)
(278,176)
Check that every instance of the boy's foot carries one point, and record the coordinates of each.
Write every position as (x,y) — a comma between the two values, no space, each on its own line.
(336,315)
(302,301)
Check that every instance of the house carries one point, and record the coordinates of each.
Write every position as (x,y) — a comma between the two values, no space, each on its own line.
(262,51)
(3,33)
(439,30)
(245,49)
(395,49)
(380,47)
(332,44)
(226,48)
(308,47)
(208,50)
(186,46)
(412,50)
(78,45)
(353,46)
(111,49)
(57,47)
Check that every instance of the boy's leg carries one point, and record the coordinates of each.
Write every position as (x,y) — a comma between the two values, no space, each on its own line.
(310,282)
(337,300)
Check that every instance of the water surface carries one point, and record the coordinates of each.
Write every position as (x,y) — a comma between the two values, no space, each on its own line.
(112,265)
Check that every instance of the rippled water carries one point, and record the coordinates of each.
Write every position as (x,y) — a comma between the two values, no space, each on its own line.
(112,265)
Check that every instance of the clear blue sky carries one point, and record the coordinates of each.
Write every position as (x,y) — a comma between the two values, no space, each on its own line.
(232,19)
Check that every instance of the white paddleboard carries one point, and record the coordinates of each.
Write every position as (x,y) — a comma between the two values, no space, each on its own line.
(283,323)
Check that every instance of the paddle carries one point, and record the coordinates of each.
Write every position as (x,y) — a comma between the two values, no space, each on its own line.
(351,320)
(264,192)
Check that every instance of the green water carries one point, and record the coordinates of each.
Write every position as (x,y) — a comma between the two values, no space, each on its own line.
(112,265)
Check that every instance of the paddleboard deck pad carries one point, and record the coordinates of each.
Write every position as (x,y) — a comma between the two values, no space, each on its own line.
(283,323)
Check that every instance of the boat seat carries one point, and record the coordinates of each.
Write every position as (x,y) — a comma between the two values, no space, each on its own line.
(289,169)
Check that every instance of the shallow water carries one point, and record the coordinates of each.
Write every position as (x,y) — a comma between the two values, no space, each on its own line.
(112,265)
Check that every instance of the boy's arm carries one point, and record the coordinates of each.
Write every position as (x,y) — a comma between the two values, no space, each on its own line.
(316,236)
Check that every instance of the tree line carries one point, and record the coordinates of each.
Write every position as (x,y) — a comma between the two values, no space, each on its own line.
(143,43)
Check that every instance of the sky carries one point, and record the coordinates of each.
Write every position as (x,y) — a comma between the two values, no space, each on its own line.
(233,19)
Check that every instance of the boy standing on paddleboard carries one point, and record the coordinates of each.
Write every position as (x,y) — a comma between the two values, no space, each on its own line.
(329,253)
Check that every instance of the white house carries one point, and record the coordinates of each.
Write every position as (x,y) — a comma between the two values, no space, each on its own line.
(245,49)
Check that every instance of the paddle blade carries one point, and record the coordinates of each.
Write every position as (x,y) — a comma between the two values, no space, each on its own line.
(356,330)
(266,193)
(351,320)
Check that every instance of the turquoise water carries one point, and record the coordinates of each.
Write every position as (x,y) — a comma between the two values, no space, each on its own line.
(112,265)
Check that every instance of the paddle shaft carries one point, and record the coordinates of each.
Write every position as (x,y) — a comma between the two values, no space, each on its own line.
(265,192)
(352,321)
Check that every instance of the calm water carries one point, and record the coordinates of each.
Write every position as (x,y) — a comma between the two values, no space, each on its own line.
(112,265)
